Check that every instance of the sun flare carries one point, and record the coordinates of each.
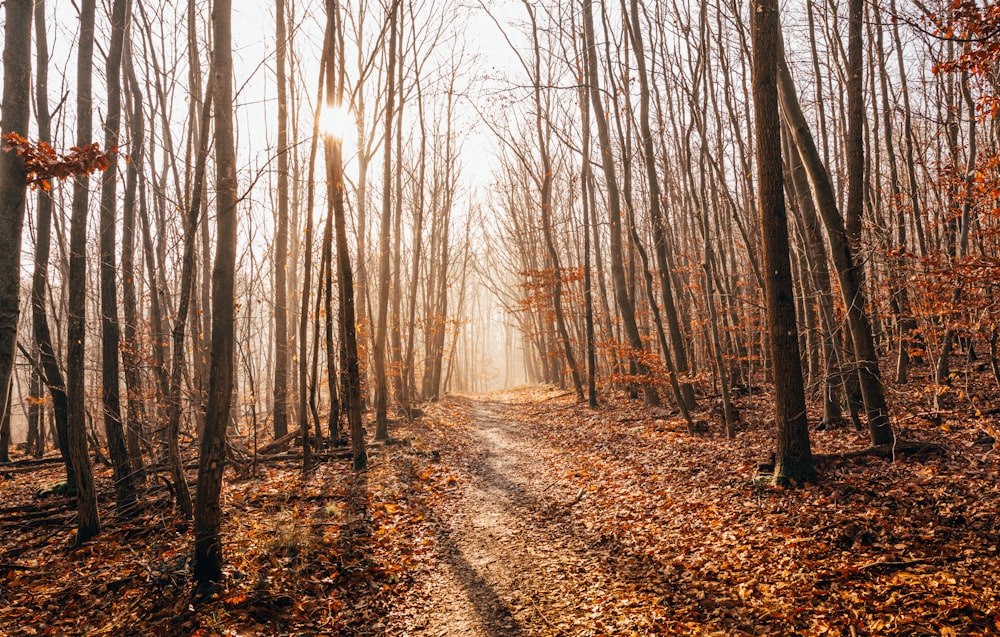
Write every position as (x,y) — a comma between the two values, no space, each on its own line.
(336,121)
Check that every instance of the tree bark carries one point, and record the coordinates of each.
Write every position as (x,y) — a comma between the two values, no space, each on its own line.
(819,274)
(208,512)
(794,456)
(409,380)
(350,372)
(280,391)
(677,349)
(588,292)
(543,133)
(125,495)
(88,523)
(381,326)
(879,429)
(15,114)
(131,358)
(625,306)
(40,275)
(182,494)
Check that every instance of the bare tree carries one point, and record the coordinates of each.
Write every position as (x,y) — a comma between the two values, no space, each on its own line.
(281,232)
(43,237)
(350,372)
(625,306)
(125,495)
(384,283)
(182,494)
(543,178)
(848,273)
(88,523)
(131,355)
(207,510)
(16,86)
(794,457)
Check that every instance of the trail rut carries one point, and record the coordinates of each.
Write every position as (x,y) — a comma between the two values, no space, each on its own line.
(508,561)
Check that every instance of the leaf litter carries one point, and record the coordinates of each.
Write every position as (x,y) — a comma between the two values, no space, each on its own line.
(520,513)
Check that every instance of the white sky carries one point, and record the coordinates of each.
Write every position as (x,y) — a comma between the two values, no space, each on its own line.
(253,35)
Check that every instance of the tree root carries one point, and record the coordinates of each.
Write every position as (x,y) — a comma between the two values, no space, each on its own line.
(913,448)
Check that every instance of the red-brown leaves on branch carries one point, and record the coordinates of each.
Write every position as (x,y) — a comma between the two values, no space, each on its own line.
(42,162)
(978,29)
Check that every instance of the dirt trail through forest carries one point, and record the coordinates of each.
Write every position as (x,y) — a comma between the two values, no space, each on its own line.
(508,560)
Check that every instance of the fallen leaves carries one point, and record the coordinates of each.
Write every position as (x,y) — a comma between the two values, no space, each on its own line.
(605,522)
(323,555)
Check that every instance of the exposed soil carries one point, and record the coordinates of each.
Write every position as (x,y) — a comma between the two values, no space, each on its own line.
(508,560)
(570,521)
(526,514)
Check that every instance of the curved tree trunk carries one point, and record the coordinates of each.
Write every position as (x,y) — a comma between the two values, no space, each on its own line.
(677,350)
(879,429)
(819,273)
(182,494)
(625,306)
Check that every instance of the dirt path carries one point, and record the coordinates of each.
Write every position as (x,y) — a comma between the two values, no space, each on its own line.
(508,560)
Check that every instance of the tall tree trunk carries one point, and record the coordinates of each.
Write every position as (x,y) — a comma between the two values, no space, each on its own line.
(677,350)
(281,234)
(819,274)
(961,246)
(15,114)
(586,183)
(854,142)
(381,326)
(794,456)
(905,322)
(125,496)
(879,429)
(157,333)
(207,511)
(325,296)
(182,494)
(625,306)
(396,311)
(131,358)
(307,242)
(911,165)
(350,371)
(88,523)
(544,180)
(408,372)
(332,382)
(43,236)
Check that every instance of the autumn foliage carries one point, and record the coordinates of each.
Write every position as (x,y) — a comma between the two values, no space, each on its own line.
(978,28)
(43,163)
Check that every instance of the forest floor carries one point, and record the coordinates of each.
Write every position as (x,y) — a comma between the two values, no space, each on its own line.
(523,513)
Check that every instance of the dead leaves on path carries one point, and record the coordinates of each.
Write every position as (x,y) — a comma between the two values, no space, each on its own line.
(680,540)
(875,548)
